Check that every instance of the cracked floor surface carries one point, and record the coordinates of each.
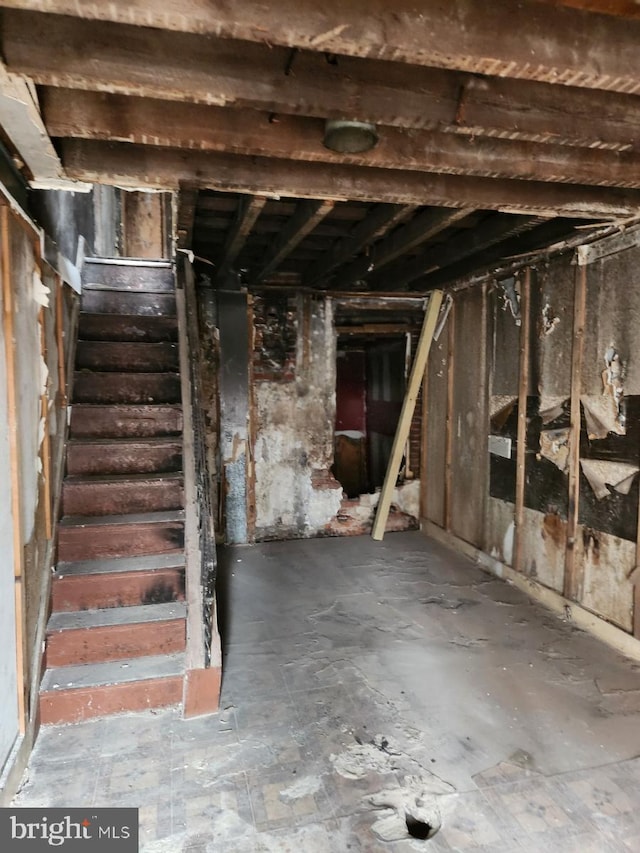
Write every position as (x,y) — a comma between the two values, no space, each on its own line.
(373,689)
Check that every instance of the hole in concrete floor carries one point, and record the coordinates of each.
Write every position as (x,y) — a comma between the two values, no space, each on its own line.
(419,828)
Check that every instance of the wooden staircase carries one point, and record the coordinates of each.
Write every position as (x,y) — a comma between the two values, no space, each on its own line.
(116,635)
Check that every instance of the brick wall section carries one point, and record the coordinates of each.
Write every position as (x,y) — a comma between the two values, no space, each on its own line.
(275,332)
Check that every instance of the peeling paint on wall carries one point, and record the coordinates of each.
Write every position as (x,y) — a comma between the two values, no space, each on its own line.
(554,446)
(602,473)
(294,419)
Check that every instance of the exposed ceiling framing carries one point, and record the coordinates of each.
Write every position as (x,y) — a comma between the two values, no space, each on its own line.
(503,126)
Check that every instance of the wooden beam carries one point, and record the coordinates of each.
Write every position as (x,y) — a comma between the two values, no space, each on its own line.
(408,407)
(308,214)
(60,341)
(422,227)
(527,40)
(382,219)
(187,203)
(21,120)
(523,394)
(493,231)
(571,568)
(139,167)
(92,115)
(448,438)
(181,67)
(249,208)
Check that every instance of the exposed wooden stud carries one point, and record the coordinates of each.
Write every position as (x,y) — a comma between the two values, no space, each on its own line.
(307,215)
(60,341)
(14,462)
(252,425)
(46,439)
(572,572)
(528,40)
(406,414)
(489,233)
(424,446)
(422,227)
(249,208)
(138,166)
(381,220)
(448,439)
(523,394)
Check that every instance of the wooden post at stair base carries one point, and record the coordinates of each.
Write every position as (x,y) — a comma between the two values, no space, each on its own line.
(14,451)
(408,407)
(523,393)
(571,569)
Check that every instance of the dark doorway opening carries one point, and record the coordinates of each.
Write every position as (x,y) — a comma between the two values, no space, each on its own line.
(370,385)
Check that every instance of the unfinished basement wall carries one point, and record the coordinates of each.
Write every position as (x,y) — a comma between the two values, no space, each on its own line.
(293,379)
(532,438)
(38,315)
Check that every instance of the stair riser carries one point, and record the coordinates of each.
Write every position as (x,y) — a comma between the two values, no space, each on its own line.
(135,422)
(130,278)
(119,540)
(121,498)
(123,388)
(115,642)
(120,302)
(112,327)
(73,706)
(134,458)
(120,589)
(127,357)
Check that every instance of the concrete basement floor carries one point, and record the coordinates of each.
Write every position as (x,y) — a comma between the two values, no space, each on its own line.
(366,682)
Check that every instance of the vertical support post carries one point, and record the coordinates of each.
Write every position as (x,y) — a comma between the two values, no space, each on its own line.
(571,569)
(448,439)
(14,451)
(523,393)
(408,408)
(424,445)
(62,373)
(251,428)
(46,438)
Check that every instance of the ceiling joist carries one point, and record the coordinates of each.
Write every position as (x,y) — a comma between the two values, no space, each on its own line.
(138,166)
(308,214)
(524,40)
(175,66)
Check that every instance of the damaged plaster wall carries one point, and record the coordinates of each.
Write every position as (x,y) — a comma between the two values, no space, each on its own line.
(604,553)
(294,373)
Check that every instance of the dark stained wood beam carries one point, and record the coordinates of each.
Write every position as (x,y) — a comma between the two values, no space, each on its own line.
(187,201)
(140,167)
(524,40)
(493,231)
(526,243)
(91,115)
(183,67)
(381,220)
(308,214)
(249,209)
(422,227)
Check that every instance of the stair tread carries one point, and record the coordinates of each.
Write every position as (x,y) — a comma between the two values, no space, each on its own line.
(109,565)
(130,518)
(113,672)
(112,616)
(93,479)
(127,374)
(118,441)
